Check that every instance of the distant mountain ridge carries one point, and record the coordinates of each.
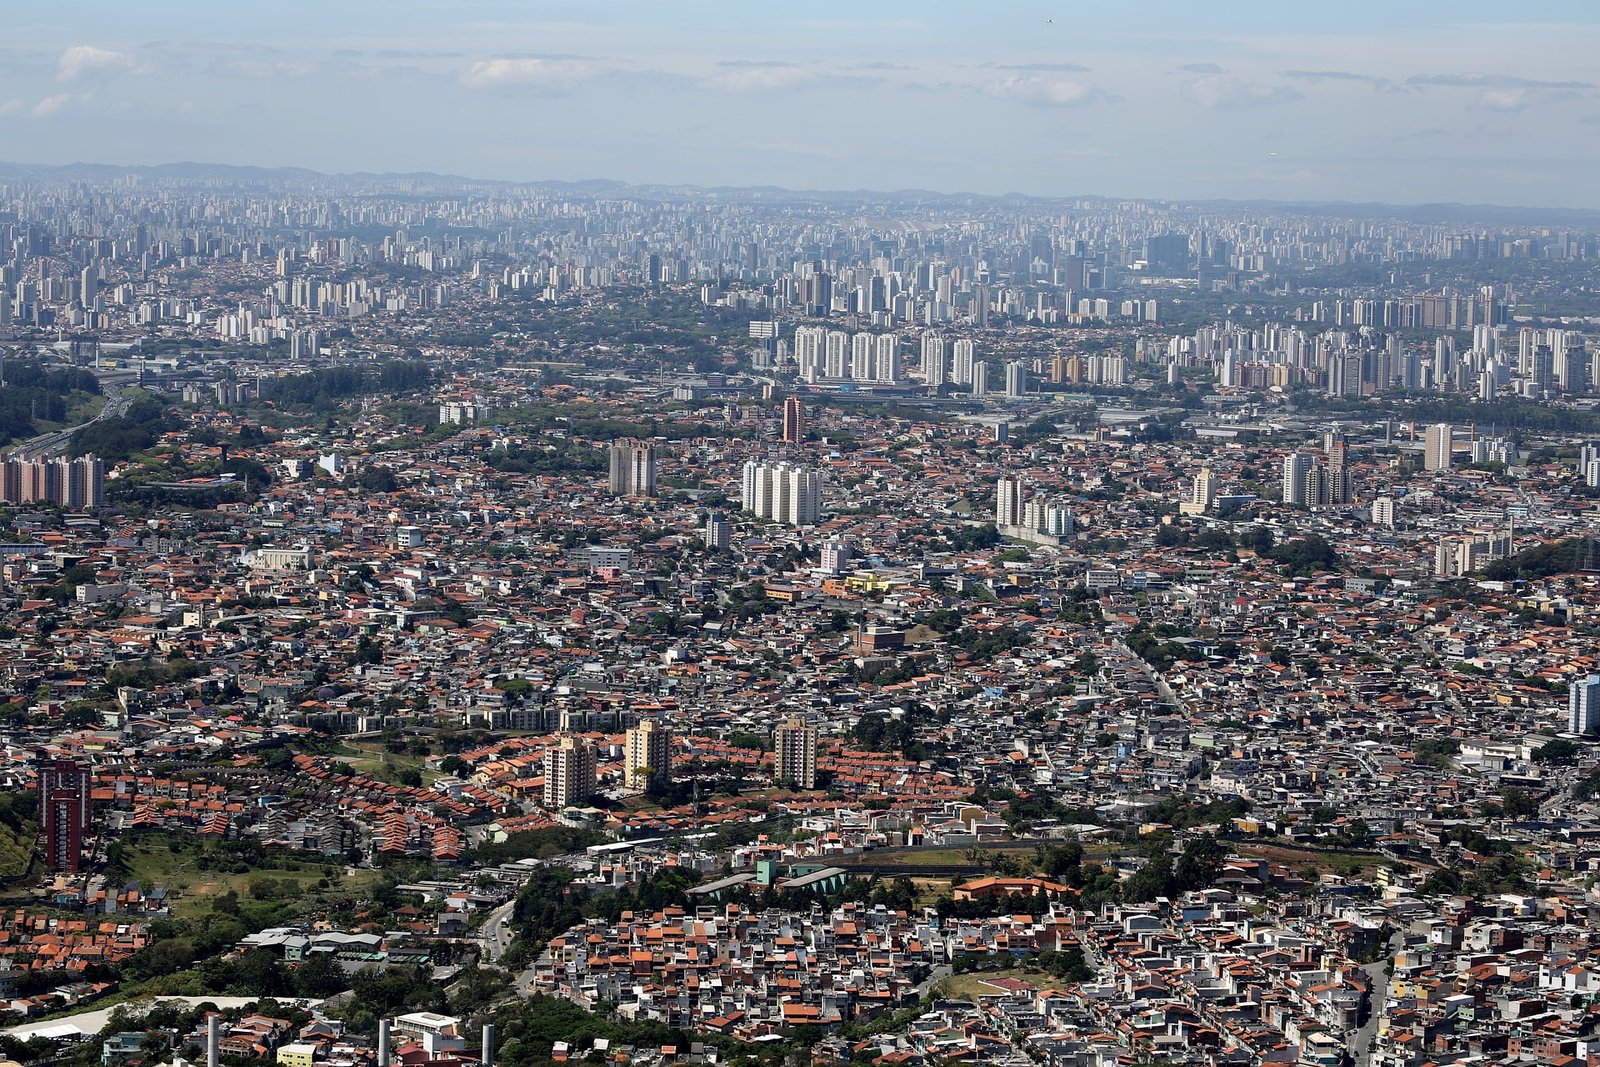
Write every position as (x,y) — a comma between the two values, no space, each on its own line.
(247,175)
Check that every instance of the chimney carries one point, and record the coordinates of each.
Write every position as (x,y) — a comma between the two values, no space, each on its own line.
(488,1045)
(213,1038)
(383,1043)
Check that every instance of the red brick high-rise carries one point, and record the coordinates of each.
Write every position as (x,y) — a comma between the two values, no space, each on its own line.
(794,420)
(64,798)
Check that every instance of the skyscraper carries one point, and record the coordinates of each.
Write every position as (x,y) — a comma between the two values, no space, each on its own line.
(886,359)
(1583,705)
(1008,501)
(718,530)
(633,468)
(935,367)
(1016,378)
(64,799)
(648,757)
(794,420)
(964,352)
(1296,465)
(1437,443)
(795,746)
(569,773)
(1202,494)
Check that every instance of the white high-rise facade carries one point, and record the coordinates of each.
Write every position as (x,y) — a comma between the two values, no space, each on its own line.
(1296,465)
(1583,705)
(935,365)
(1008,501)
(886,359)
(963,356)
(1437,445)
(783,492)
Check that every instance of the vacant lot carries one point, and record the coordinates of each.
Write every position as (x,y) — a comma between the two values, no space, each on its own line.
(975,984)
(153,863)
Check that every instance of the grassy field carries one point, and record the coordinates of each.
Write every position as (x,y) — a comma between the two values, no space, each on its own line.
(195,889)
(969,986)
(373,759)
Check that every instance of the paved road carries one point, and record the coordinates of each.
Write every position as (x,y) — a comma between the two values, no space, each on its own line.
(48,444)
(494,934)
(1361,1041)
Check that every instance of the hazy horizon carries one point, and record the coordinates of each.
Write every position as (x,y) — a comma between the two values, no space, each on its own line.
(1421,103)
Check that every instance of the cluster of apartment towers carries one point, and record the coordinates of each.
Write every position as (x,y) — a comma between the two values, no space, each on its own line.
(772,490)
(821,354)
(71,483)
(570,768)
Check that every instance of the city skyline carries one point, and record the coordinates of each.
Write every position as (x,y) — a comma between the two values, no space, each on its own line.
(1257,104)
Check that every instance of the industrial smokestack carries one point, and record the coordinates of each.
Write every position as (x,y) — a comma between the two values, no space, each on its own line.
(383,1043)
(488,1045)
(213,1039)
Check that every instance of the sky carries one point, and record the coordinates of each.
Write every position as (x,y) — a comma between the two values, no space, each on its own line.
(1405,101)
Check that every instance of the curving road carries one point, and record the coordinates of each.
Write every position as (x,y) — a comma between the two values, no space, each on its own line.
(48,444)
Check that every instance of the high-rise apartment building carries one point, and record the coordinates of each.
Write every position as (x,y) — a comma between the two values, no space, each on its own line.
(964,356)
(1008,501)
(1296,465)
(648,757)
(569,773)
(1202,494)
(1016,378)
(64,810)
(719,532)
(71,483)
(794,420)
(886,359)
(783,492)
(1437,444)
(633,468)
(935,365)
(795,746)
(1583,705)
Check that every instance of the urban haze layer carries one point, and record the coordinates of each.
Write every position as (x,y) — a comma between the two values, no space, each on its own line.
(453,622)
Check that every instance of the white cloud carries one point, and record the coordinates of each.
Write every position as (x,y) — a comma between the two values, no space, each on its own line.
(1220,92)
(742,76)
(1504,99)
(548,74)
(10,107)
(84,59)
(1048,92)
(51,104)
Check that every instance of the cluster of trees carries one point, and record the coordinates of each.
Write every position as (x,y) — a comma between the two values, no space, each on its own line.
(558,456)
(119,437)
(549,904)
(881,733)
(1541,561)
(1306,556)
(31,394)
(323,389)
(971,538)
(1155,645)
(983,645)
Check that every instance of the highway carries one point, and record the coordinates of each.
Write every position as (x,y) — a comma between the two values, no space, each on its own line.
(48,444)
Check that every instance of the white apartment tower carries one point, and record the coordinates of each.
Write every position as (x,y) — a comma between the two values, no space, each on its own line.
(1583,705)
(1437,444)
(935,366)
(1008,501)
(783,492)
